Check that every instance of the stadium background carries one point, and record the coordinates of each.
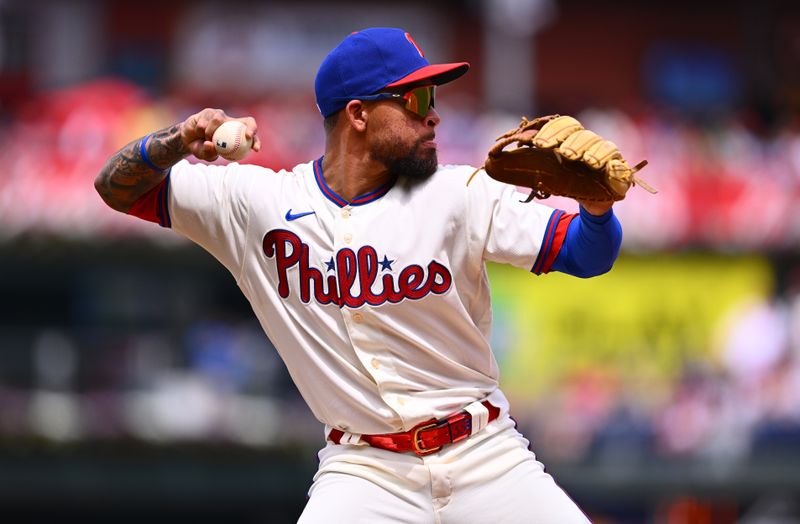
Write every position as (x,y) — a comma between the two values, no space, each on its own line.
(136,386)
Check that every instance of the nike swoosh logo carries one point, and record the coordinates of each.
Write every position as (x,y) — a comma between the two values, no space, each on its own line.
(290,216)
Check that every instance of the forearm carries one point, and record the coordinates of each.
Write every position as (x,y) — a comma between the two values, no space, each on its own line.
(591,245)
(127,176)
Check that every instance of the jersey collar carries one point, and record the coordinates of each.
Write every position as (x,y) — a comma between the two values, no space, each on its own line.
(341,202)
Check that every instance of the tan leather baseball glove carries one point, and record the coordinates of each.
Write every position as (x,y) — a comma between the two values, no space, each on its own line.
(555,155)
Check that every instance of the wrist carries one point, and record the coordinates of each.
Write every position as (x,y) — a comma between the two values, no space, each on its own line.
(161,150)
(146,157)
(601,218)
(597,209)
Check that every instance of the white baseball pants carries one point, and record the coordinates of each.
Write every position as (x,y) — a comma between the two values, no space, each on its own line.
(489,478)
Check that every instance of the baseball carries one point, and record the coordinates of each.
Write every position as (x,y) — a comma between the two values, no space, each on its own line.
(230,140)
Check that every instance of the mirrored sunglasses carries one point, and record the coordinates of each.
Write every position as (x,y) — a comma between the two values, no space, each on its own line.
(419,100)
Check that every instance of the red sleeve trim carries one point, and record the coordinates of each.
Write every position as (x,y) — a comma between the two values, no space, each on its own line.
(554,236)
(153,206)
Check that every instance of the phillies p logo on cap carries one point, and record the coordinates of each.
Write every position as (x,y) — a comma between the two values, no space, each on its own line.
(408,37)
(370,60)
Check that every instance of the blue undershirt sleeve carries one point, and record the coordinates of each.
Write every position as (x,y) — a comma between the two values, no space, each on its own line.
(591,245)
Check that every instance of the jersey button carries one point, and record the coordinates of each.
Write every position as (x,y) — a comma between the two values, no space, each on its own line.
(345,213)
(376,363)
(358,317)
(348,238)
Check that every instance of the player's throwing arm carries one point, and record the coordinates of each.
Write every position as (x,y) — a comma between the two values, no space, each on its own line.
(142,164)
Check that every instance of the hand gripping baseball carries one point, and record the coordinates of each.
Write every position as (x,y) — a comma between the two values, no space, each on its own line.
(197,132)
(557,156)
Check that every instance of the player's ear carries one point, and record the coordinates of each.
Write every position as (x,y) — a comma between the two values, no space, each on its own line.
(357,113)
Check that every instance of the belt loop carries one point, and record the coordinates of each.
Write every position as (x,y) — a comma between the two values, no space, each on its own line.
(480,416)
(338,436)
(353,439)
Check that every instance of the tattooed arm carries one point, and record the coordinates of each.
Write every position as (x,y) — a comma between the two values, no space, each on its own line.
(127,176)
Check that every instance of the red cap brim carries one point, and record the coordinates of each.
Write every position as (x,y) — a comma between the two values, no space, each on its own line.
(436,74)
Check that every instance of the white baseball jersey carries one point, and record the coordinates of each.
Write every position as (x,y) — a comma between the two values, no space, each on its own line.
(379,307)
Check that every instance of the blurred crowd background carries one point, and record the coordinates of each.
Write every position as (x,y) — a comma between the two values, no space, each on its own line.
(135,384)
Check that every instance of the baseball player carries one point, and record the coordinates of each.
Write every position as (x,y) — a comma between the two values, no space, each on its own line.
(366,269)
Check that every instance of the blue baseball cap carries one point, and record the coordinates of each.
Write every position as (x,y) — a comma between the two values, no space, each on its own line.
(374,59)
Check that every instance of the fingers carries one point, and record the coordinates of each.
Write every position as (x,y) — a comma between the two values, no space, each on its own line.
(617,168)
(577,144)
(201,126)
(251,133)
(599,154)
(203,150)
(556,131)
(620,184)
(591,148)
(198,130)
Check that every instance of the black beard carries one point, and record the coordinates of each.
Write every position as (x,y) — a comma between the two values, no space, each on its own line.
(407,163)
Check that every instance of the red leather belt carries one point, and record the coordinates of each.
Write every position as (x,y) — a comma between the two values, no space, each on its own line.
(427,437)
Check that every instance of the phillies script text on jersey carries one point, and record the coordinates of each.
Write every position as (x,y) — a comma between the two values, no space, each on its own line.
(351,267)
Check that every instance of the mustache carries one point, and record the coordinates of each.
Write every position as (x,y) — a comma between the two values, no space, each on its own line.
(427,138)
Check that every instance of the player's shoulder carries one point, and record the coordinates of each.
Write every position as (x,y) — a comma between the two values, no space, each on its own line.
(243,183)
(473,186)
(276,177)
(240,173)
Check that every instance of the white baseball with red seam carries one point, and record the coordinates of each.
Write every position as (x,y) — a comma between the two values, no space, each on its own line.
(230,140)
